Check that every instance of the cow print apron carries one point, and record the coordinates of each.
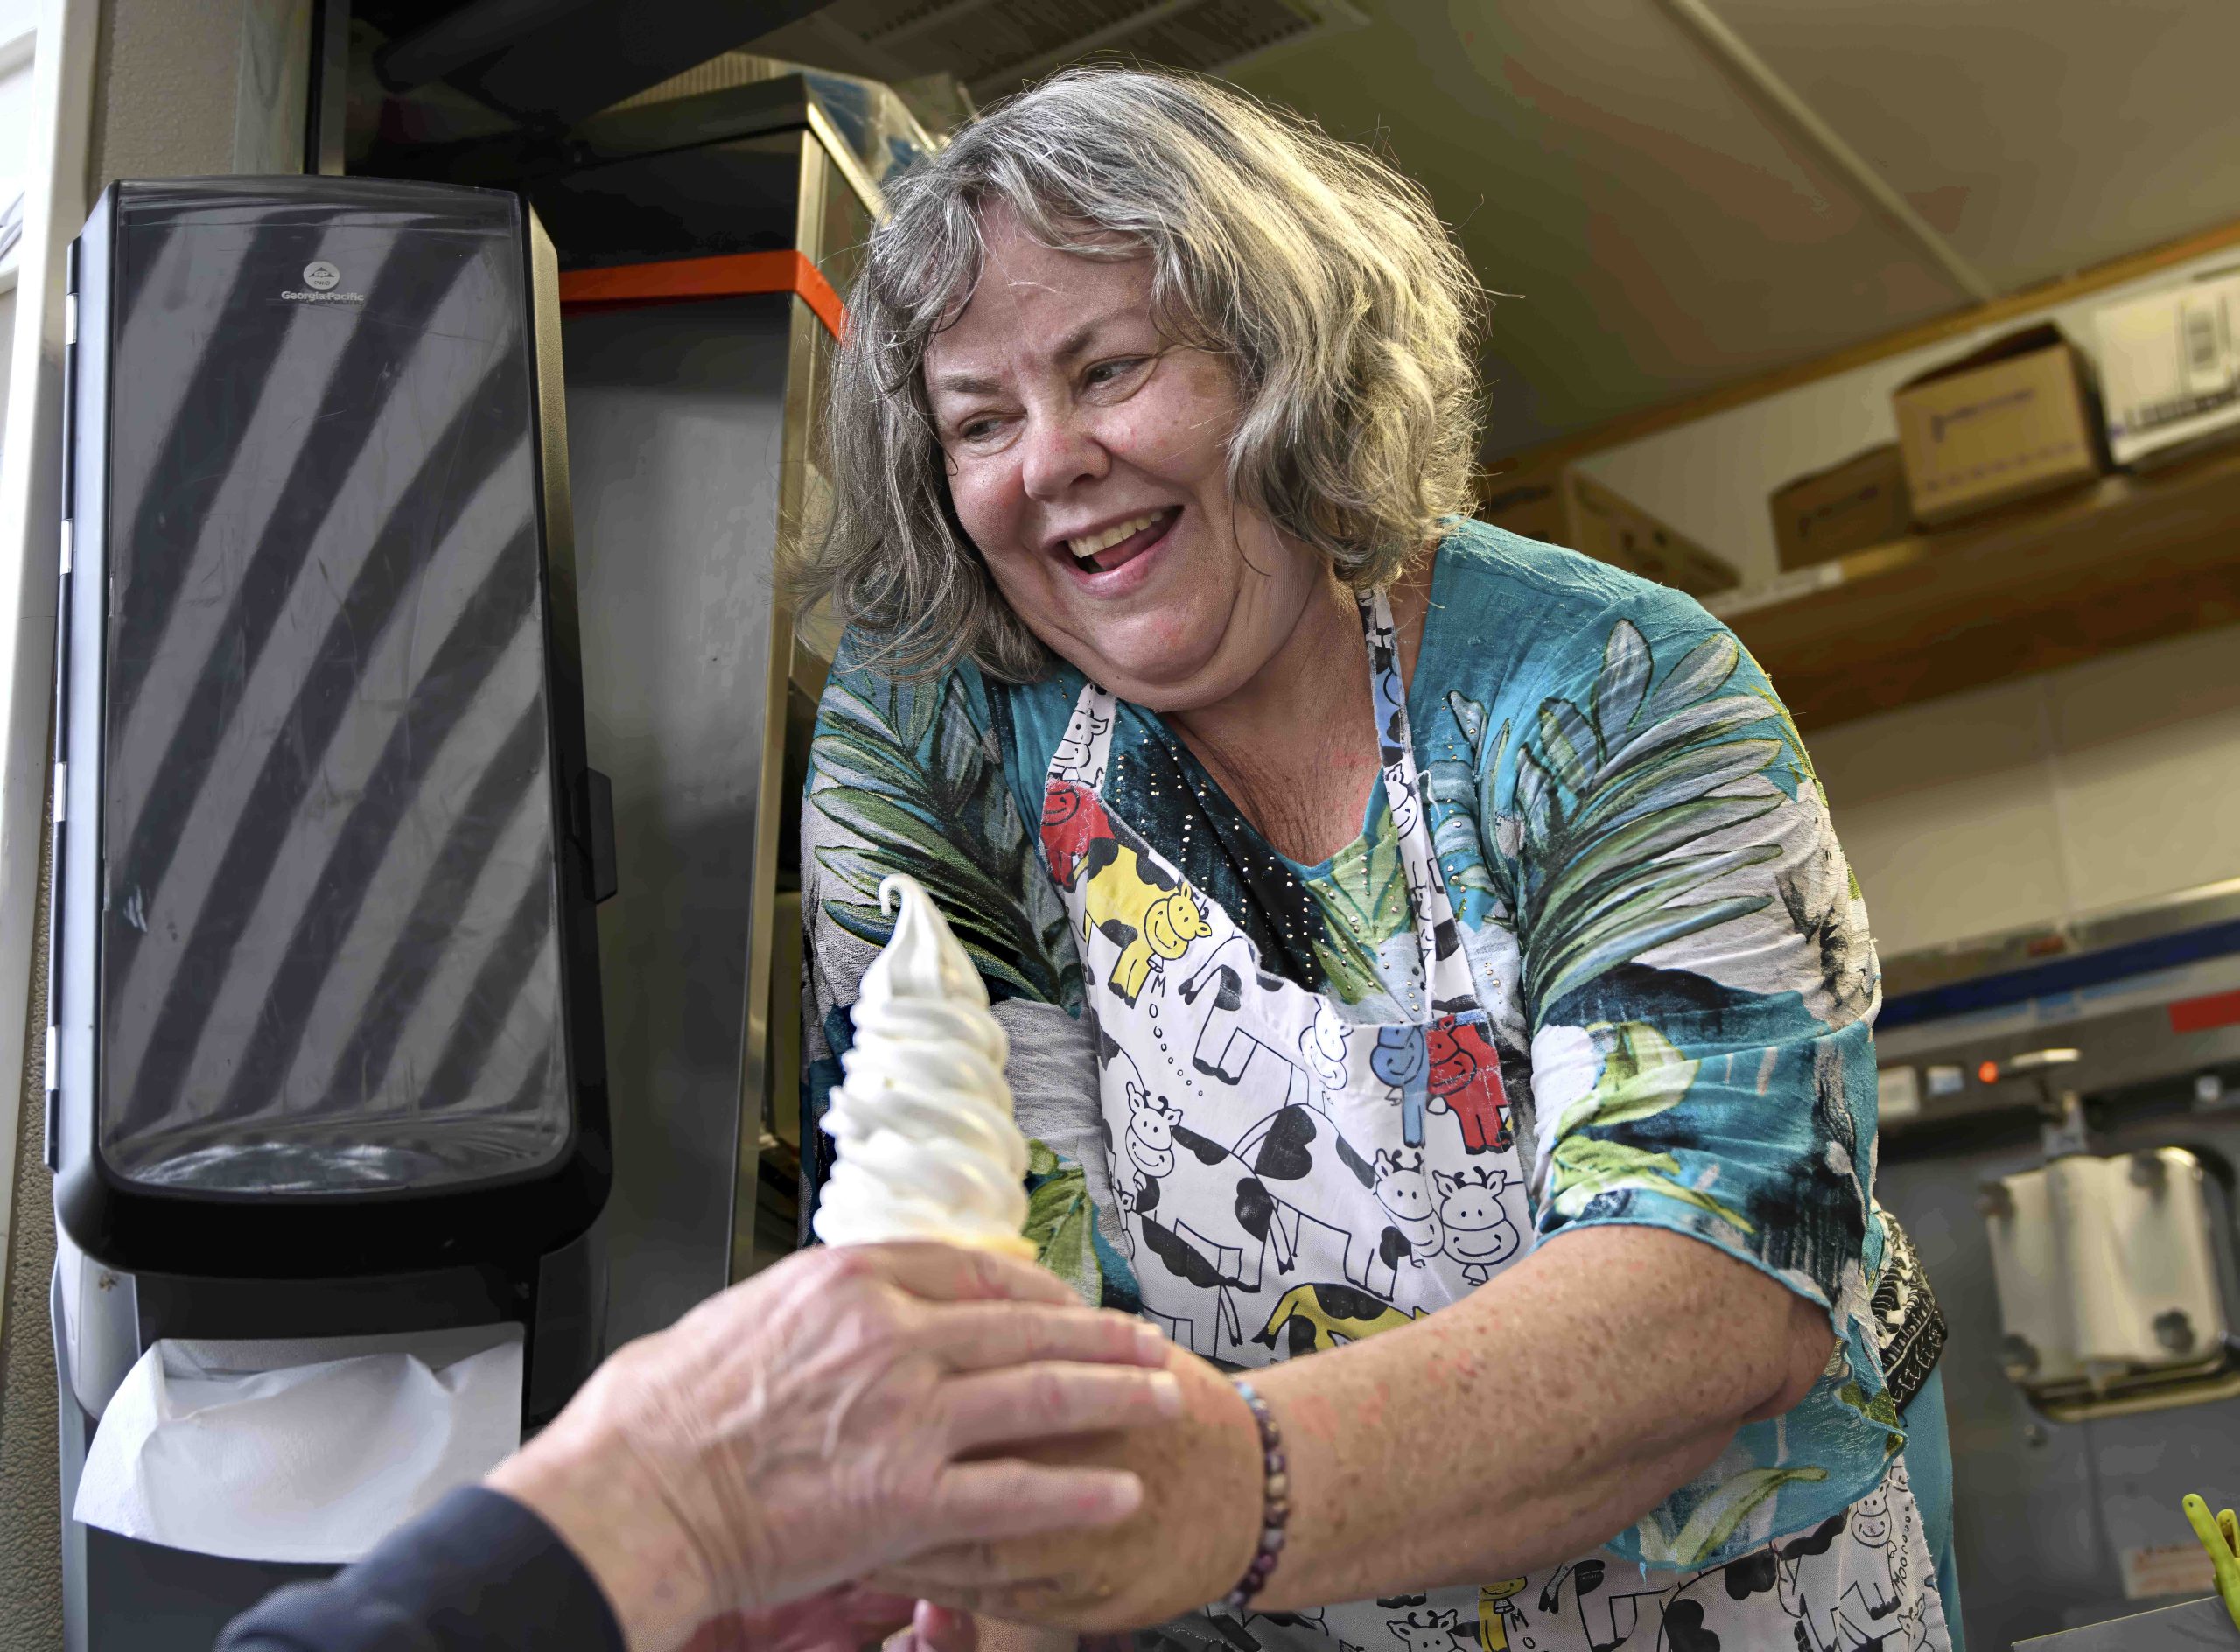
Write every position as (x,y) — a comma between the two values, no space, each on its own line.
(1289,1178)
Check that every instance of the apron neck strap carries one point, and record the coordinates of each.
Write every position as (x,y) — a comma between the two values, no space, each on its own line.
(1447,968)
(1085,749)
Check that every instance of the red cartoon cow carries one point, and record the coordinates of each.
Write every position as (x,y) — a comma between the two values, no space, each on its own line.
(1072,820)
(1467,1081)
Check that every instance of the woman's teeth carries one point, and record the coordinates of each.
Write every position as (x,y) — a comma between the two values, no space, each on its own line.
(1088,547)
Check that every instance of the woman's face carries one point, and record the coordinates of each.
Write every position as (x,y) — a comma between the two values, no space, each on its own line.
(1086,459)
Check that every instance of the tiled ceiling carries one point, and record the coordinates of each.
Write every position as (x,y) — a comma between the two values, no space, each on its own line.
(1664,228)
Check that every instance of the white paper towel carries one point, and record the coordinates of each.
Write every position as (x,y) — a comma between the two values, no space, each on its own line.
(300,1450)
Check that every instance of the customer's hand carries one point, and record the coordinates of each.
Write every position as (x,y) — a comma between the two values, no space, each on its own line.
(833,1417)
(1196,1531)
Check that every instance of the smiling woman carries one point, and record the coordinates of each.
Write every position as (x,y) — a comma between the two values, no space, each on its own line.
(1414,941)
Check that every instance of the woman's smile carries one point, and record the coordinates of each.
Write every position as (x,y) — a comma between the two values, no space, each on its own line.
(1097,556)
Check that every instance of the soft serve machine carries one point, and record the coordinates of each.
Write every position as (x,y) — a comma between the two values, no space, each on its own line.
(2060,1125)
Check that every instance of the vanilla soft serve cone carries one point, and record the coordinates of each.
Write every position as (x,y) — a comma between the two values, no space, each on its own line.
(926,1146)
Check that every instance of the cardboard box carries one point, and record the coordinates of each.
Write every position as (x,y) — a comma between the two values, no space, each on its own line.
(1859,503)
(1612,530)
(2170,369)
(1533,509)
(2013,419)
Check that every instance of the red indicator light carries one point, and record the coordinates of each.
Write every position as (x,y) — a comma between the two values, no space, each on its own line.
(2202,1015)
(1987,1073)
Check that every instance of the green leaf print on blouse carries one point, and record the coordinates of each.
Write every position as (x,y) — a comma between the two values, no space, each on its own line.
(1451,783)
(1614,802)
(1715,1518)
(908,778)
(1364,902)
(1060,1221)
(1585,1167)
(1641,1076)
(1881,1409)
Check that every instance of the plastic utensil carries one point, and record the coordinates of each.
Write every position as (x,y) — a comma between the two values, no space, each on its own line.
(2220,1536)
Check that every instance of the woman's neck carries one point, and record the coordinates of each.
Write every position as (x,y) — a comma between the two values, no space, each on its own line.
(1296,748)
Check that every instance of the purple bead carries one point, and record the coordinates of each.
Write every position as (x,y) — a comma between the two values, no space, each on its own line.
(1277,1464)
(1272,1540)
(1279,1514)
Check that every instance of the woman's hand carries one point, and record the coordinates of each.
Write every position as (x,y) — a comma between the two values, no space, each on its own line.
(1188,1544)
(841,1413)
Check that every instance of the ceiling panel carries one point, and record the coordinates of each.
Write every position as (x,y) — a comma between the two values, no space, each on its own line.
(2041,136)
(1660,235)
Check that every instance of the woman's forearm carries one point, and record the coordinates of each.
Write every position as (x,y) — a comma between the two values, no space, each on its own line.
(1534,1421)
(1516,1430)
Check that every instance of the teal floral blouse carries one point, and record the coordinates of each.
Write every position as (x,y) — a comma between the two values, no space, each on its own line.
(1669,944)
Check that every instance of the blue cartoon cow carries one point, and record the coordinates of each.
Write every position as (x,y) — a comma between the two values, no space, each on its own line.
(1401,1060)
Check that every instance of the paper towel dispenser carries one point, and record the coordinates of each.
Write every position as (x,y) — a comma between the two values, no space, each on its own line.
(325,982)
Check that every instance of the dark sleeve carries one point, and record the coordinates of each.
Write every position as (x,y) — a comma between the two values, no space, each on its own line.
(477,1571)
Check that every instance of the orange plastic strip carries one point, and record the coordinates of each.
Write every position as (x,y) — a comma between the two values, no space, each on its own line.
(676,280)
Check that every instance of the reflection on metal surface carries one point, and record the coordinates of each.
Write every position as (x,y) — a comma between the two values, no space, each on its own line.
(806,343)
(691,423)
(2215,1380)
(676,414)
(328,960)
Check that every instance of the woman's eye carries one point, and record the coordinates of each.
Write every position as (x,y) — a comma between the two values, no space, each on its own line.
(1111,372)
(978,430)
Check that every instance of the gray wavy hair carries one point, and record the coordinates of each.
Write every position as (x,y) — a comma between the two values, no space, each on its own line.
(1322,274)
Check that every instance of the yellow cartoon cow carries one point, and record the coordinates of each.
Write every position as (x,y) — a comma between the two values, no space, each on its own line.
(1321,1316)
(1148,914)
(1496,1604)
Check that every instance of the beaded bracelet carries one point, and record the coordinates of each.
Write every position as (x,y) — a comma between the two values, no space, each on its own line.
(1276,1504)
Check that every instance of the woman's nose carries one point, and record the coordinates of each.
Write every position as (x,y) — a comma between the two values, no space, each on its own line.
(1061,453)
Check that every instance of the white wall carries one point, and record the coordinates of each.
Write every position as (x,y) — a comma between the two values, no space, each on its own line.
(2044,799)
(19,25)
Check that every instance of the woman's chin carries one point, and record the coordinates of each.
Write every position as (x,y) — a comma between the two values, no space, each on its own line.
(1165,692)
(1163,673)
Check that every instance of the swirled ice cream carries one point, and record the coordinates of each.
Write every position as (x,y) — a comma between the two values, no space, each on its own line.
(927,1148)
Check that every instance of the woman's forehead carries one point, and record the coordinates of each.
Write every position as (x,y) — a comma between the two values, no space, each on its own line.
(1034,301)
